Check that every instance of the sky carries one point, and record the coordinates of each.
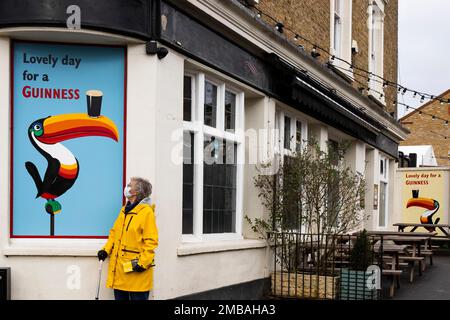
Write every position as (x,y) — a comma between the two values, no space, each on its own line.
(424,48)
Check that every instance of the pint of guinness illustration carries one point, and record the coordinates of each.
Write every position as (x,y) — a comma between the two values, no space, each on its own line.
(94,103)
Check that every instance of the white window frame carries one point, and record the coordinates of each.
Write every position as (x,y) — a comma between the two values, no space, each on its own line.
(279,118)
(193,97)
(199,129)
(344,50)
(384,178)
(280,113)
(375,25)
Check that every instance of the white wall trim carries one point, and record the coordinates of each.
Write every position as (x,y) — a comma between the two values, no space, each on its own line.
(210,247)
(50,247)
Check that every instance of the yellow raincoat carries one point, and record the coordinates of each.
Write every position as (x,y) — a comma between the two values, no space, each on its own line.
(133,236)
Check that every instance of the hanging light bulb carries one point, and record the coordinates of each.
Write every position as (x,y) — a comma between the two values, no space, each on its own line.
(404,91)
(448,101)
(385,84)
(420,113)
(415,94)
(296,38)
(314,53)
(258,15)
(446,123)
(422,99)
(433,118)
(399,89)
(279,27)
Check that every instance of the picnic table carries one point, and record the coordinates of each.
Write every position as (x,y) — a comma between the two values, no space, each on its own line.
(416,256)
(401,233)
(445,228)
(393,252)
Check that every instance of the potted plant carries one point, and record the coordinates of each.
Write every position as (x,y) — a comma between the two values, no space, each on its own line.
(355,280)
(311,199)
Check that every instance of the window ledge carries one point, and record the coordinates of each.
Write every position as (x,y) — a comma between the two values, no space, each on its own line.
(53,247)
(187,249)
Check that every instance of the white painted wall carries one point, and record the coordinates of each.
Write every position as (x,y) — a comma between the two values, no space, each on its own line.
(42,269)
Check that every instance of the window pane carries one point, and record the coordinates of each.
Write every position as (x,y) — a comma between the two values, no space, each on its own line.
(230,110)
(188,182)
(382,213)
(187,99)
(291,188)
(210,104)
(287,133)
(219,189)
(333,150)
(298,136)
(337,35)
(337,7)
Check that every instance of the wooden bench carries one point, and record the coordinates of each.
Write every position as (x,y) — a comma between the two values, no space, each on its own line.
(395,275)
(412,261)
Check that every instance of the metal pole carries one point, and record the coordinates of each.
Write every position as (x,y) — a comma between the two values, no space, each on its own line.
(52,224)
(100,264)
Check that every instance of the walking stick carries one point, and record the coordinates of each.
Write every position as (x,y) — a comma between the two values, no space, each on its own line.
(100,265)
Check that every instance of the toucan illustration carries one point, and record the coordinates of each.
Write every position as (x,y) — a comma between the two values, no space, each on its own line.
(62,171)
(426,203)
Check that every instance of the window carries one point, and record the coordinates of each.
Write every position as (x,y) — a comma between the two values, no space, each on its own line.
(376,45)
(292,133)
(333,187)
(333,149)
(287,133)
(210,104)
(230,111)
(384,183)
(187,98)
(341,34)
(219,186)
(188,181)
(337,39)
(298,137)
(212,162)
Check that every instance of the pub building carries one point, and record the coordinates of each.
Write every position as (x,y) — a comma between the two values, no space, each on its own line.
(173,77)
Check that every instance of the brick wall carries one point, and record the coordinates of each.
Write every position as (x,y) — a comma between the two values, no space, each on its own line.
(311,19)
(425,131)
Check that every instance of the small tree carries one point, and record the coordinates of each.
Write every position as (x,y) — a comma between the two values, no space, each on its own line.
(361,254)
(313,192)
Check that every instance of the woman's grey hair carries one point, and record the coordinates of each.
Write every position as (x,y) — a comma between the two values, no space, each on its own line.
(143,188)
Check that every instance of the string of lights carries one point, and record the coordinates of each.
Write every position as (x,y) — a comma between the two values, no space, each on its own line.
(421,113)
(280,27)
(394,102)
(439,134)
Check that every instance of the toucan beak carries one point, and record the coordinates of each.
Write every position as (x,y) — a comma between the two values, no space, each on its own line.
(426,203)
(70,126)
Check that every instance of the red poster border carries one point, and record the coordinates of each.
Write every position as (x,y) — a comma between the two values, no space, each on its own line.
(11,183)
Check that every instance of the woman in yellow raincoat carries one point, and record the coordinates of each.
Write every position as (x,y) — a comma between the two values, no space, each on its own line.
(131,244)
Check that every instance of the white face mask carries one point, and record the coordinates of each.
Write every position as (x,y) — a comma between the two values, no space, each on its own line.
(126,192)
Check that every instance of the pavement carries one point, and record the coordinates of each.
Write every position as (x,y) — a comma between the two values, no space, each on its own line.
(434,284)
